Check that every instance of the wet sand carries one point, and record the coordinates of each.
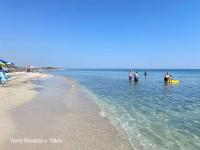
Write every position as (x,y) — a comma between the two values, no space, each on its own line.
(61,117)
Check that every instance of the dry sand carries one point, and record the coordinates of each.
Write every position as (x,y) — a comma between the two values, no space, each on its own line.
(59,117)
(17,91)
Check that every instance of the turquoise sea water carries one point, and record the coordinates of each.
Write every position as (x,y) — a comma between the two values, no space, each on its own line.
(153,115)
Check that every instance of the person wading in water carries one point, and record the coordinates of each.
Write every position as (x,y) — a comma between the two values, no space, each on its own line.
(130,75)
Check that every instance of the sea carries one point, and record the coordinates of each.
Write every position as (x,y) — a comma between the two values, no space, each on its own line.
(153,115)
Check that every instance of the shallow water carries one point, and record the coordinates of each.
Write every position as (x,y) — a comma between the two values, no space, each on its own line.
(153,115)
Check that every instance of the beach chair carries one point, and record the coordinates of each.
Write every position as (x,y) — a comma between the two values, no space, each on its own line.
(2,78)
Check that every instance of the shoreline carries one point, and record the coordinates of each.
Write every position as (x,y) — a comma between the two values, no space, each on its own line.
(67,115)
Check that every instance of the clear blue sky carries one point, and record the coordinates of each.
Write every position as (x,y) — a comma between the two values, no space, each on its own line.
(101,33)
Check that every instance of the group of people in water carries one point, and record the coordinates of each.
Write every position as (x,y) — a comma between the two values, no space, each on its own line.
(135,76)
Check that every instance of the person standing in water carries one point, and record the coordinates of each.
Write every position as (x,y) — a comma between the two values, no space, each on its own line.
(136,76)
(145,73)
(130,75)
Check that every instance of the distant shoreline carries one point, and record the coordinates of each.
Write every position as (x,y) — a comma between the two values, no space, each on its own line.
(122,69)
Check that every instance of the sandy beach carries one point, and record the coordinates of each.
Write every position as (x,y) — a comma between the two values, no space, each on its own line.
(17,91)
(40,111)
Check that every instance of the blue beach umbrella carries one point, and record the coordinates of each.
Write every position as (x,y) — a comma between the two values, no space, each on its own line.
(6,62)
(3,61)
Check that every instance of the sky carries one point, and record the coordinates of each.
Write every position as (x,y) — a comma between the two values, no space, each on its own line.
(101,33)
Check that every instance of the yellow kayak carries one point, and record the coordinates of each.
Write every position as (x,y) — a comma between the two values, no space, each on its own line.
(173,81)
